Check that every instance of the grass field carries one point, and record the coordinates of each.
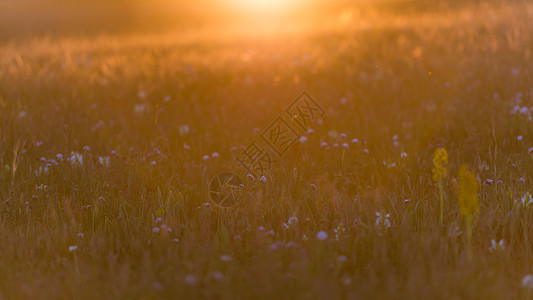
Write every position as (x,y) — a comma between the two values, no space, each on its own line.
(107,149)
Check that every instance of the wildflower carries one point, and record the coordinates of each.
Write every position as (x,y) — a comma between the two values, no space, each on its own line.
(343,135)
(76,158)
(527,201)
(345,145)
(468,197)
(153,163)
(158,221)
(310,131)
(496,246)
(338,231)
(42,187)
(346,280)
(403,155)
(155,230)
(342,258)
(291,244)
(303,139)
(383,220)
(217,275)
(336,145)
(39,143)
(321,235)
(468,202)
(176,240)
(260,228)
(72,248)
(323,144)
(226,258)
(275,246)
(205,157)
(59,156)
(42,170)
(190,279)
(355,141)
(519,138)
(184,129)
(521,180)
(104,161)
(81,235)
(263,179)
(293,221)
(250,177)
(214,155)
(86,148)
(440,160)
(366,151)
(454,231)
(527,282)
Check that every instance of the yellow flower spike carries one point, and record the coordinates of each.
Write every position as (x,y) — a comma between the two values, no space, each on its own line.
(468,202)
(440,160)
(468,197)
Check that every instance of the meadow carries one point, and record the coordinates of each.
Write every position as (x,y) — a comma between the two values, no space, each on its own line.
(108,143)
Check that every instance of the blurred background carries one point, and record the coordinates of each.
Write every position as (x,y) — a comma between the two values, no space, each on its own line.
(74,17)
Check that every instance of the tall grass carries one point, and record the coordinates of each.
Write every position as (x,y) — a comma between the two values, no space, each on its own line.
(398,87)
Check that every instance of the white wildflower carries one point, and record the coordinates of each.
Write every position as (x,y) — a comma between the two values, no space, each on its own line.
(321,235)
(76,158)
(293,221)
(104,160)
(184,129)
(226,258)
(527,282)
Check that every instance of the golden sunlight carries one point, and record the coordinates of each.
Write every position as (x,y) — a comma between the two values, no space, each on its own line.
(270,8)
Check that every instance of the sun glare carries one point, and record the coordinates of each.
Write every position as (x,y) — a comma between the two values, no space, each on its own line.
(266,8)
